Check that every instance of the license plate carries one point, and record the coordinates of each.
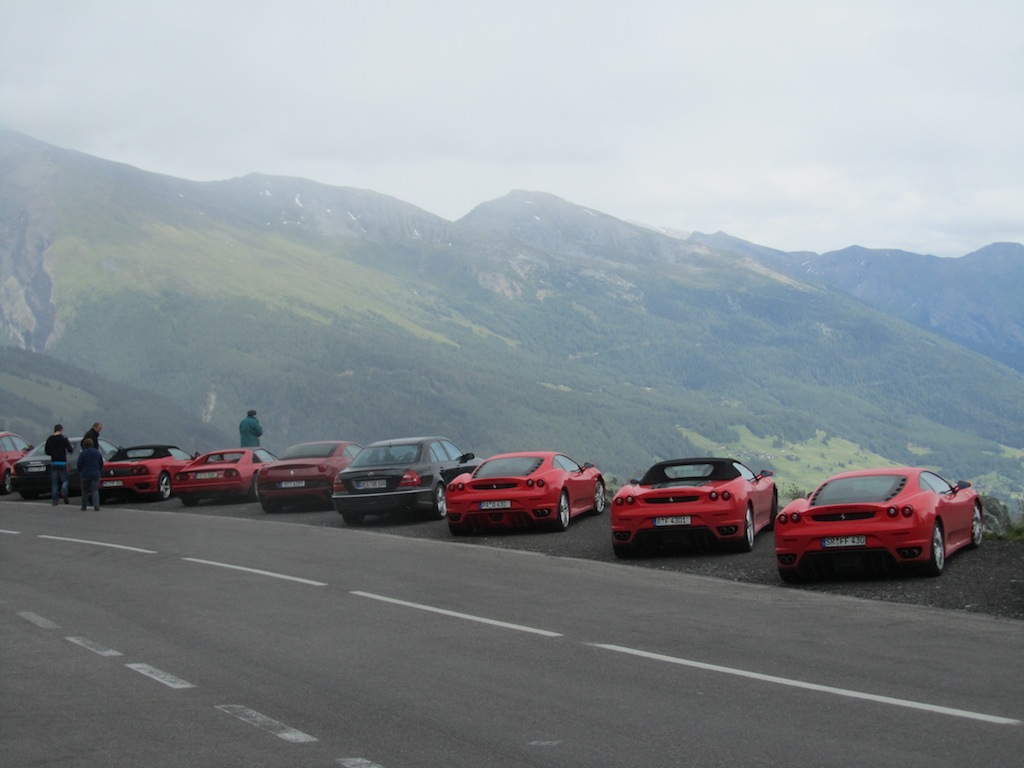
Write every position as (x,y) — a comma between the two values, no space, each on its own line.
(205,475)
(504,504)
(677,520)
(35,469)
(113,483)
(292,483)
(843,541)
(371,485)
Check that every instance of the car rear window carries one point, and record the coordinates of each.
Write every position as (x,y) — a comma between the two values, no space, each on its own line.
(520,466)
(387,455)
(866,489)
(309,451)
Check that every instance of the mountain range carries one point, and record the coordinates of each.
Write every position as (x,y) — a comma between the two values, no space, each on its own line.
(531,322)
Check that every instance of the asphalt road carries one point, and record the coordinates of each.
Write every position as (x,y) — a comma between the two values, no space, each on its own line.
(150,635)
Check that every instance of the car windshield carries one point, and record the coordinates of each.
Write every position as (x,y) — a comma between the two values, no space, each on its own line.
(309,451)
(865,489)
(129,454)
(387,455)
(689,473)
(224,458)
(517,466)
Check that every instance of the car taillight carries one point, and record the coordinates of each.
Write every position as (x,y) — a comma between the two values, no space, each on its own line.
(231,472)
(321,468)
(539,482)
(180,476)
(456,487)
(622,500)
(907,511)
(140,470)
(410,479)
(726,495)
(892,512)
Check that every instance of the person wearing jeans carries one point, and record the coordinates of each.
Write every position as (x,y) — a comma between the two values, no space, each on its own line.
(57,448)
(90,467)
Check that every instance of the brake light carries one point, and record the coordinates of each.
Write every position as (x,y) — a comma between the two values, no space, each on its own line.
(410,480)
(231,472)
(322,467)
(713,495)
(140,469)
(621,500)
(907,511)
(726,495)
(892,512)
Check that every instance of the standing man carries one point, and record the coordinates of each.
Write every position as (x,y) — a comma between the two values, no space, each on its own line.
(90,467)
(94,434)
(249,431)
(57,448)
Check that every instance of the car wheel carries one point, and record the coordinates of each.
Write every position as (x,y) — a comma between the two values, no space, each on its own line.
(562,515)
(774,512)
(163,487)
(977,527)
(254,491)
(746,544)
(189,501)
(600,498)
(352,518)
(7,486)
(938,557)
(440,508)
(624,551)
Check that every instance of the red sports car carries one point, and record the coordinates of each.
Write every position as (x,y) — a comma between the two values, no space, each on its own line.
(693,501)
(219,474)
(143,470)
(906,517)
(12,448)
(304,473)
(524,489)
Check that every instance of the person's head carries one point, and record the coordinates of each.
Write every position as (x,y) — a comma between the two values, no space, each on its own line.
(251,413)
(87,443)
(58,428)
(97,426)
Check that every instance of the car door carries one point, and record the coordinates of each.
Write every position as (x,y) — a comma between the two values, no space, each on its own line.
(577,484)
(955,509)
(759,493)
(455,464)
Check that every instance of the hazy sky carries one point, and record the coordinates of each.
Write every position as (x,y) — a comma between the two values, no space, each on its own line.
(797,125)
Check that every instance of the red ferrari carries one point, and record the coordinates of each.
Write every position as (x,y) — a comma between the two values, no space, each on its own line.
(888,519)
(522,490)
(691,502)
(304,474)
(221,474)
(12,448)
(143,470)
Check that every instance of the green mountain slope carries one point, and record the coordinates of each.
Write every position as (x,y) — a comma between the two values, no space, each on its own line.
(529,323)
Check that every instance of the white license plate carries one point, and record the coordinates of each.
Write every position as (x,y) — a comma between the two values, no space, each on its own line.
(113,483)
(677,520)
(292,483)
(205,475)
(370,485)
(35,469)
(843,541)
(504,504)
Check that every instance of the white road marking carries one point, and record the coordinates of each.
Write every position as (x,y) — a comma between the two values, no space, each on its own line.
(455,614)
(356,762)
(99,544)
(160,676)
(12,533)
(85,642)
(38,620)
(812,686)
(280,730)
(256,571)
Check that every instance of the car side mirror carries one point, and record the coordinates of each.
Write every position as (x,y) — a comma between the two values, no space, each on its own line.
(466,457)
(766,473)
(962,485)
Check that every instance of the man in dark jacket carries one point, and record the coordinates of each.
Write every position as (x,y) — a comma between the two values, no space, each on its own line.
(57,448)
(249,431)
(94,433)
(90,467)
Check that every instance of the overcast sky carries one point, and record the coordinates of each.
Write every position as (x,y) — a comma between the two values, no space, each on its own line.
(797,125)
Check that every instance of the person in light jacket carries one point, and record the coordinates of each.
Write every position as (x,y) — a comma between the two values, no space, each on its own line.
(249,431)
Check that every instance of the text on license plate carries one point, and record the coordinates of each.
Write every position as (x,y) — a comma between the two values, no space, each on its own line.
(503,504)
(205,475)
(35,469)
(292,483)
(677,520)
(843,541)
(369,485)
(113,483)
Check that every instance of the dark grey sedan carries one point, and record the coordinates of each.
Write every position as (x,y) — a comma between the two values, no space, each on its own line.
(408,473)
